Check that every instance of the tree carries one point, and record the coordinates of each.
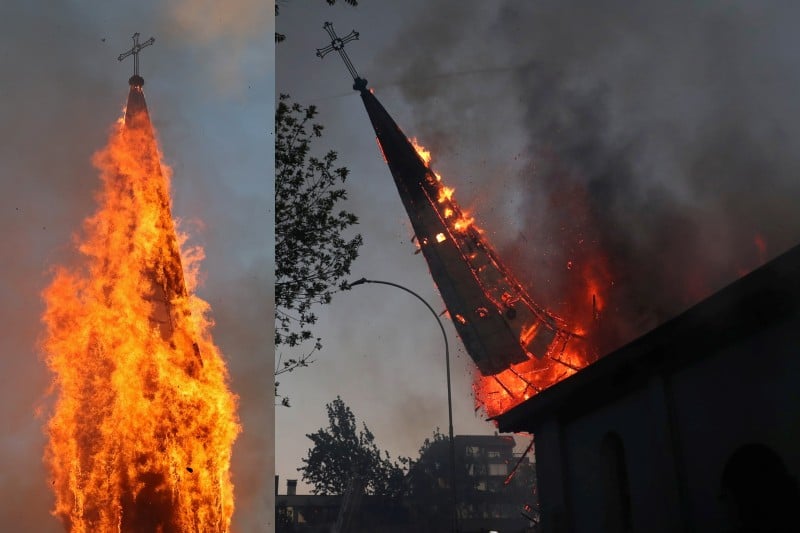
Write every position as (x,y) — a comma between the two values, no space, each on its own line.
(341,452)
(312,256)
(308,264)
(427,474)
(428,482)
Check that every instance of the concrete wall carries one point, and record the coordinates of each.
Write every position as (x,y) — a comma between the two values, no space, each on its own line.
(747,393)
(678,431)
(640,420)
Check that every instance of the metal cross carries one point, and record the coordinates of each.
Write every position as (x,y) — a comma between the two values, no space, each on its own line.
(337,44)
(135,51)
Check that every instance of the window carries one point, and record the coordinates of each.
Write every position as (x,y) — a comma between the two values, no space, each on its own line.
(758,492)
(500,469)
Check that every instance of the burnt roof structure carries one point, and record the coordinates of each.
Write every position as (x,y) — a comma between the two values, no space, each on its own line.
(762,299)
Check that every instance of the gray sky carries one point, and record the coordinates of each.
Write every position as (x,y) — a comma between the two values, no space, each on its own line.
(658,135)
(210,91)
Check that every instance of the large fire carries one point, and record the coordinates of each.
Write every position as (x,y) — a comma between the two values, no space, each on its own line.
(143,424)
(556,347)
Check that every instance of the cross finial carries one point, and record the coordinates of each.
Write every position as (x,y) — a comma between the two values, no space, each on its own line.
(337,43)
(136,80)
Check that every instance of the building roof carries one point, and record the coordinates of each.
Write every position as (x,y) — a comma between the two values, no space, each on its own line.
(766,296)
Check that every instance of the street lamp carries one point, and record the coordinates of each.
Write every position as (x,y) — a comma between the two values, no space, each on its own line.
(449,395)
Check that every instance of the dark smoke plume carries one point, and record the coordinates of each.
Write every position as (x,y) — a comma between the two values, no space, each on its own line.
(658,140)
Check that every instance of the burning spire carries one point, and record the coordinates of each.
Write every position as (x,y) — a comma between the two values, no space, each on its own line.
(519,346)
(143,425)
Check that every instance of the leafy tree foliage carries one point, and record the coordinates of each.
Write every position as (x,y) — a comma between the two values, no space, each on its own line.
(342,452)
(433,465)
(428,484)
(312,256)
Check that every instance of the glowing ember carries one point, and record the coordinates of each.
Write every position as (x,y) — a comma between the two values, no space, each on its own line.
(445,194)
(383,154)
(553,347)
(143,425)
(463,223)
(761,245)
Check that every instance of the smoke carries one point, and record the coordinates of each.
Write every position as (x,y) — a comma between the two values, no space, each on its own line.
(207,21)
(224,32)
(658,141)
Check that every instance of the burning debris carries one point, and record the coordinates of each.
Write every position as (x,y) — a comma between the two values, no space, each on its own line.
(141,389)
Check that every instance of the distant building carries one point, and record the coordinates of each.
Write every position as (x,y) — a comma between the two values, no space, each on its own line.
(695,426)
(485,502)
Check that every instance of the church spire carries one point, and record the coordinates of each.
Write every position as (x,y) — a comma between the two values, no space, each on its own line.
(165,272)
(517,344)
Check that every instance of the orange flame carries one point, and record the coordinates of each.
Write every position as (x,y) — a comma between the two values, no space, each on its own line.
(463,223)
(565,354)
(422,152)
(761,245)
(445,193)
(143,424)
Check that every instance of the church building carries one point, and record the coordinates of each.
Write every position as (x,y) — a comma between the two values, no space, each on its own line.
(694,426)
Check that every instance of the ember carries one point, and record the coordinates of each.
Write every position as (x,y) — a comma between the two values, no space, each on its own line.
(140,386)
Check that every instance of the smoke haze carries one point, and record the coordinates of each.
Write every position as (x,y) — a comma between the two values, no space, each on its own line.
(657,140)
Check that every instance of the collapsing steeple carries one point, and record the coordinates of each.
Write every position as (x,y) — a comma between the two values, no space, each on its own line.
(497,321)
(521,345)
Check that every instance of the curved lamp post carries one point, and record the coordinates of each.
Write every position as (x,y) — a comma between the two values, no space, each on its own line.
(449,395)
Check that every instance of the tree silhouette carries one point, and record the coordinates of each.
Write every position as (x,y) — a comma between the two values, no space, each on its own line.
(342,452)
(312,255)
